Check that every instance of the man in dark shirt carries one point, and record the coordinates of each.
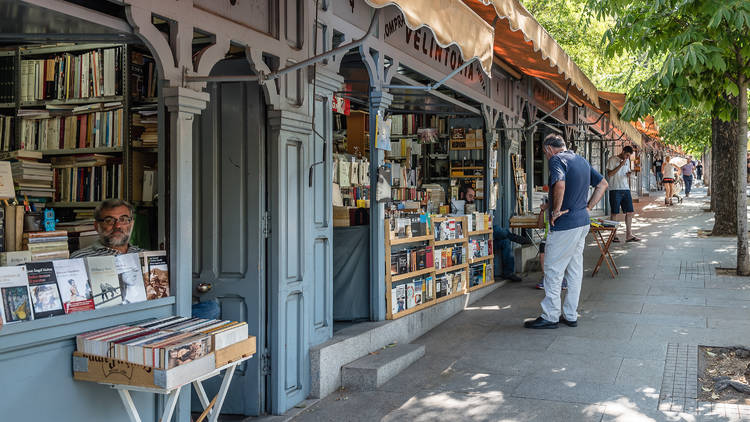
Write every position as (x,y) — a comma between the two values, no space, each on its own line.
(570,176)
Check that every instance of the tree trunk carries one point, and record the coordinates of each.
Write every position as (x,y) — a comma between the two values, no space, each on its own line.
(714,131)
(724,198)
(743,260)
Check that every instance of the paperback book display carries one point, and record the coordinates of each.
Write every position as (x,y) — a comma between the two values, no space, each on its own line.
(33,290)
(165,343)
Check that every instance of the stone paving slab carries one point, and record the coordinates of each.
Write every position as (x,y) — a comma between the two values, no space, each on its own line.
(482,365)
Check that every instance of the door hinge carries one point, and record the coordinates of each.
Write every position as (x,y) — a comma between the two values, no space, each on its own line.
(265,364)
(266,224)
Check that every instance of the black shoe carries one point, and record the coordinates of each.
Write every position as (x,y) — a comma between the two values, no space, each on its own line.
(521,240)
(512,277)
(568,323)
(540,323)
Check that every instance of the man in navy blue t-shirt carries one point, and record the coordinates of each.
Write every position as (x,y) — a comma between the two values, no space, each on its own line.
(570,176)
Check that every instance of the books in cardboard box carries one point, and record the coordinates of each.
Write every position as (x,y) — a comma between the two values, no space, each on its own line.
(43,288)
(155,274)
(74,286)
(104,282)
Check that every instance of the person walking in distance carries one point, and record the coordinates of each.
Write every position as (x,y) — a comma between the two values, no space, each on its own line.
(657,172)
(699,171)
(618,173)
(570,176)
(669,171)
(687,174)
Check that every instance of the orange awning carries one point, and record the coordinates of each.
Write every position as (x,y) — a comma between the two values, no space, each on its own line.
(452,22)
(524,44)
(616,103)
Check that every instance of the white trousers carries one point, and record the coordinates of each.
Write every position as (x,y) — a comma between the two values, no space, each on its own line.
(563,259)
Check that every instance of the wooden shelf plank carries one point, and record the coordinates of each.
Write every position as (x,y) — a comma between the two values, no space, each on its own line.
(484,258)
(35,51)
(412,274)
(401,241)
(72,101)
(449,241)
(478,176)
(479,286)
(480,232)
(102,150)
(7,105)
(467,168)
(467,149)
(452,268)
(414,309)
(82,204)
(451,296)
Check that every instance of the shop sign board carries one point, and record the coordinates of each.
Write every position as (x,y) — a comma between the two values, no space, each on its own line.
(421,45)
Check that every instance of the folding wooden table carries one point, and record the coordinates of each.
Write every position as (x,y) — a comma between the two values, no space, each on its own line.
(604,241)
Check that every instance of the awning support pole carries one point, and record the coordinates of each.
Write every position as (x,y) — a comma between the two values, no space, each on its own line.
(281,72)
(567,98)
(437,84)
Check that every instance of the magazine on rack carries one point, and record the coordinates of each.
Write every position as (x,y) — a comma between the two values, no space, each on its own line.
(14,292)
(74,286)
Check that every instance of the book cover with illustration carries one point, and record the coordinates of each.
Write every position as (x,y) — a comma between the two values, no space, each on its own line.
(155,274)
(410,303)
(45,296)
(194,348)
(14,292)
(130,278)
(74,286)
(104,283)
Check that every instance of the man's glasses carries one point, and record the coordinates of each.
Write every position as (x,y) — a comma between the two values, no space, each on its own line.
(110,221)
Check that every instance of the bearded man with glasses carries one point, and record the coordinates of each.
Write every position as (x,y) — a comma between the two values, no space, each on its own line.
(113,220)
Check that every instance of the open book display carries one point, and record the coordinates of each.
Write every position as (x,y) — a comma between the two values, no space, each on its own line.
(163,353)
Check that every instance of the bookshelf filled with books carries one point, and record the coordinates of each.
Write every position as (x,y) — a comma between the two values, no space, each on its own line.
(85,108)
(79,121)
(431,259)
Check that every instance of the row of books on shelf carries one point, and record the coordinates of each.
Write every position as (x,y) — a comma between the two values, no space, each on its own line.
(32,179)
(479,248)
(7,79)
(101,129)
(480,274)
(7,132)
(411,294)
(95,183)
(449,283)
(34,290)
(449,229)
(142,75)
(408,194)
(94,73)
(409,225)
(164,343)
(411,259)
(408,124)
(449,257)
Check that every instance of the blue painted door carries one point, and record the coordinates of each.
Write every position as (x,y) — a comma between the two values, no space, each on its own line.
(229,241)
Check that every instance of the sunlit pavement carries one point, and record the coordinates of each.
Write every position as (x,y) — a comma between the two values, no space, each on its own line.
(482,365)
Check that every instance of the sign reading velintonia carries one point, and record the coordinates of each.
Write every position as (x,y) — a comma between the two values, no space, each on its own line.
(421,44)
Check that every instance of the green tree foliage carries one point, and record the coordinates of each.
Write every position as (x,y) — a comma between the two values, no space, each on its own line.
(690,129)
(702,48)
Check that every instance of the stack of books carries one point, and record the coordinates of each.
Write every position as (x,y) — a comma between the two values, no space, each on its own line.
(45,246)
(164,343)
(145,129)
(33,178)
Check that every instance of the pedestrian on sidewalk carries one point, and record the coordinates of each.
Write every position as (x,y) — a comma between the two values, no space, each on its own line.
(699,170)
(657,171)
(570,176)
(669,171)
(618,174)
(687,174)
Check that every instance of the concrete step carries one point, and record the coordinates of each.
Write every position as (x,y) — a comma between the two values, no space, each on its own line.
(372,371)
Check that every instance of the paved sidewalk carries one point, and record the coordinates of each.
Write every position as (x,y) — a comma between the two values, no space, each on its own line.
(482,365)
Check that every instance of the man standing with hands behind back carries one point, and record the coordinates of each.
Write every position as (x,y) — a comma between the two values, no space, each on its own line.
(618,172)
(570,176)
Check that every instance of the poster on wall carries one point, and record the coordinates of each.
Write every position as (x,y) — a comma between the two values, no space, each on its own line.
(382,132)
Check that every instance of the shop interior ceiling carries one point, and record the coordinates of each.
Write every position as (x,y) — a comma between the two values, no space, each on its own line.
(25,23)
(357,89)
